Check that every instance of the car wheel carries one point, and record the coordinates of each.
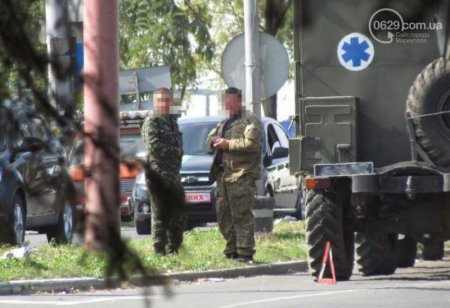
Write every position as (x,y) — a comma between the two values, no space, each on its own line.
(12,231)
(406,252)
(433,252)
(19,221)
(62,232)
(144,226)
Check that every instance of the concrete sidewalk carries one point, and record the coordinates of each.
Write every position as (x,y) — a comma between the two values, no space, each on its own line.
(69,284)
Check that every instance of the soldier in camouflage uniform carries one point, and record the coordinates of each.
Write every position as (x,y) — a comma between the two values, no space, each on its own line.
(163,143)
(237,144)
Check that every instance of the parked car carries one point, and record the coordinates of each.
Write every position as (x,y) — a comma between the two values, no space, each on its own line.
(200,191)
(130,142)
(36,192)
(278,181)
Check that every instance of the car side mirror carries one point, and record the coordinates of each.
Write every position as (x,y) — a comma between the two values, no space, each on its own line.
(267,160)
(280,152)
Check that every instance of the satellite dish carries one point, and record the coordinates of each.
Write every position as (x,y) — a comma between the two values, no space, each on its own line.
(274,63)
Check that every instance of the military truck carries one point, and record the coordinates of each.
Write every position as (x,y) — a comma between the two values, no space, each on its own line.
(373,131)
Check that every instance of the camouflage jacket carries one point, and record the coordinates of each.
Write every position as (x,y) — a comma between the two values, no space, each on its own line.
(245,152)
(163,142)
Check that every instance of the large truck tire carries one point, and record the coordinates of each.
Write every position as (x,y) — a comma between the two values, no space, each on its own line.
(433,252)
(376,253)
(430,94)
(406,252)
(325,222)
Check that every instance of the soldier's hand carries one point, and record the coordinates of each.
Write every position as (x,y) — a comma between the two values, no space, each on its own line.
(214,140)
(180,152)
(222,144)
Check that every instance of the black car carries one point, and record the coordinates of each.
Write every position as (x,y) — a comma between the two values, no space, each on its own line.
(36,191)
(200,191)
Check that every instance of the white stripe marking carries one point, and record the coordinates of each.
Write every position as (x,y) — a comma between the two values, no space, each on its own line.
(275,299)
(77,302)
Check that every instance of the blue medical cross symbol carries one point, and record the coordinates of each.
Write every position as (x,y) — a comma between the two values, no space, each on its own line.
(355,51)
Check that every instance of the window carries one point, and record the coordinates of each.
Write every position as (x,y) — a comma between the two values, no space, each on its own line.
(282,137)
(272,138)
(130,145)
(194,137)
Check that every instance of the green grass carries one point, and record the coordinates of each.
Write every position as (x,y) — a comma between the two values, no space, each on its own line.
(201,250)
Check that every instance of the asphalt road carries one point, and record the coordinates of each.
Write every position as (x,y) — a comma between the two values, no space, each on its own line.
(425,285)
(129,232)
(37,240)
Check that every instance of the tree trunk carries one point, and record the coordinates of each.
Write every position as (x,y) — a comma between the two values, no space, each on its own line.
(101,94)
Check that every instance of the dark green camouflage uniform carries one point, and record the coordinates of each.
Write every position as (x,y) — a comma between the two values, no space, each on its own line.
(163,143)
(235,193)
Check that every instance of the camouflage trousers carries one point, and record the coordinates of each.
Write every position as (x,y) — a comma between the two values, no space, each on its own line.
(234,214)
(168,211)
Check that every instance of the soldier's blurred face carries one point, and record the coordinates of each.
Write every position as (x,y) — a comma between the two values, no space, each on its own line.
(162,102)
(233,103)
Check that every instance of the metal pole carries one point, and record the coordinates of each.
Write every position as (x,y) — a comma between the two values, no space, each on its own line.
(252,66)
(59,51)
(252,57)
(207,104)
(101,97)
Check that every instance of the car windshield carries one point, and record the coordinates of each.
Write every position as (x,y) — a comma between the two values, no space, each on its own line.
(194,137)
(130,145)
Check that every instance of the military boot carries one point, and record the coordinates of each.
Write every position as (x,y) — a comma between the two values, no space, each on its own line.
(160,250)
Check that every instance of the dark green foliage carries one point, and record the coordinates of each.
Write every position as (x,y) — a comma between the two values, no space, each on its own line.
(23,63)
(158,32)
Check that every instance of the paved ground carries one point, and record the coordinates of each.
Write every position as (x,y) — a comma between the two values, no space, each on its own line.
(425,285)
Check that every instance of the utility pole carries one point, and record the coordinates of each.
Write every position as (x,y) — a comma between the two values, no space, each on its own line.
(253,66)
(59,51)
(101,118)
(252,57)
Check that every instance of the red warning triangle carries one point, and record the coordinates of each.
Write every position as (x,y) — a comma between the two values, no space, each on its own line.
(327,257)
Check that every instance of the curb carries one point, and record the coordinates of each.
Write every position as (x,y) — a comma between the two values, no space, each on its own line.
(17,287)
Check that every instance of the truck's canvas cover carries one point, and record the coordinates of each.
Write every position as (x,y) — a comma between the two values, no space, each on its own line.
(382,87)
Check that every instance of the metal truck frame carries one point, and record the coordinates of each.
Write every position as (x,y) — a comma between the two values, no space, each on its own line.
(373,142)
